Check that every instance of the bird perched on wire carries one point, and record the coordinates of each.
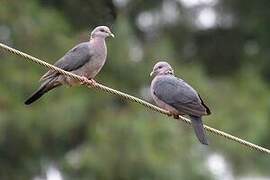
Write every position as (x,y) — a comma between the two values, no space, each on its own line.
(86,60)
(178,97)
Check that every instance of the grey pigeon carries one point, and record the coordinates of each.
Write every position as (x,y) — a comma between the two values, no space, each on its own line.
(86,59)
(178,97)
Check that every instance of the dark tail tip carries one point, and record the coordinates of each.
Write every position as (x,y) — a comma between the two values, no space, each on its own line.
(202,139)
(36,95)
(205,141)
(33,98)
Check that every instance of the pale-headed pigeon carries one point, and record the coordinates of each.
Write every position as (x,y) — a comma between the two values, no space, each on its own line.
(178,97)
(85,59)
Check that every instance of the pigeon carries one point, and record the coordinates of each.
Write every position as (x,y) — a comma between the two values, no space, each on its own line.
(85,59)
(178,97)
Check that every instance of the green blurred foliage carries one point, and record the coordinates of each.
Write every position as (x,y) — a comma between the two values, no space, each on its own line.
(93,135)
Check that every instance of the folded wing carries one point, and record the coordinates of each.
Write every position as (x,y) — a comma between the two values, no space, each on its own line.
(178,94)
(72,60)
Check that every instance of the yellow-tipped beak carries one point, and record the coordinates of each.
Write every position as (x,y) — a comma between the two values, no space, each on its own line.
(152,73)
(111,34)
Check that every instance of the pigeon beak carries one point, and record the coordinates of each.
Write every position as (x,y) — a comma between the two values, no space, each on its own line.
(152,73)
(111,34)
(170,71)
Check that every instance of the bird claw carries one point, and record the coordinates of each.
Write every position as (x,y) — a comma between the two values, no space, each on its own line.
(170,114)
(175,116)
(92,82)
(86,81)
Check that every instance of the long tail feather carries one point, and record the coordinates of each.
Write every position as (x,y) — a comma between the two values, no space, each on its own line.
(199,130)
(45,87)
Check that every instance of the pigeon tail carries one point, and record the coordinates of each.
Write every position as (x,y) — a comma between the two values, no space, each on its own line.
(40,92)
(199,130)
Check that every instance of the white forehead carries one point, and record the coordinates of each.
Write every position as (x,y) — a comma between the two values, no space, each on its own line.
(163,64)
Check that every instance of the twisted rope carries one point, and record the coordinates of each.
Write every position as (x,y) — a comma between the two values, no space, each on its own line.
(132,98)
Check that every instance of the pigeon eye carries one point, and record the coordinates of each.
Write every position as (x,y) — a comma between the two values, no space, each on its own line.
(102,30)
(159,67)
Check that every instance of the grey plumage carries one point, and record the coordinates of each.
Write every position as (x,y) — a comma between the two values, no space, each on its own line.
(178,94)
(178,97)
(85,59)
(72,60)
(76,57)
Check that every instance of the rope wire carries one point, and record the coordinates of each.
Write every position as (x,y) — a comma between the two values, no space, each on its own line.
(131,98)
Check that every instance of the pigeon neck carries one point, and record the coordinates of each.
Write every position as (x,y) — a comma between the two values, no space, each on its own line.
(98,41)
(97,38)
(166,73)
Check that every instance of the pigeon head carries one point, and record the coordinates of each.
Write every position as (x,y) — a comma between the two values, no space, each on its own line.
(101,31)
(161,68)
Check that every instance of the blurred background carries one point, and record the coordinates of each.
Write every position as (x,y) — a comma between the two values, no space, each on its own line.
(221,47)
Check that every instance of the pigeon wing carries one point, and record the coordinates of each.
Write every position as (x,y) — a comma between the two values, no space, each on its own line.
(178,94)
(72,60)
